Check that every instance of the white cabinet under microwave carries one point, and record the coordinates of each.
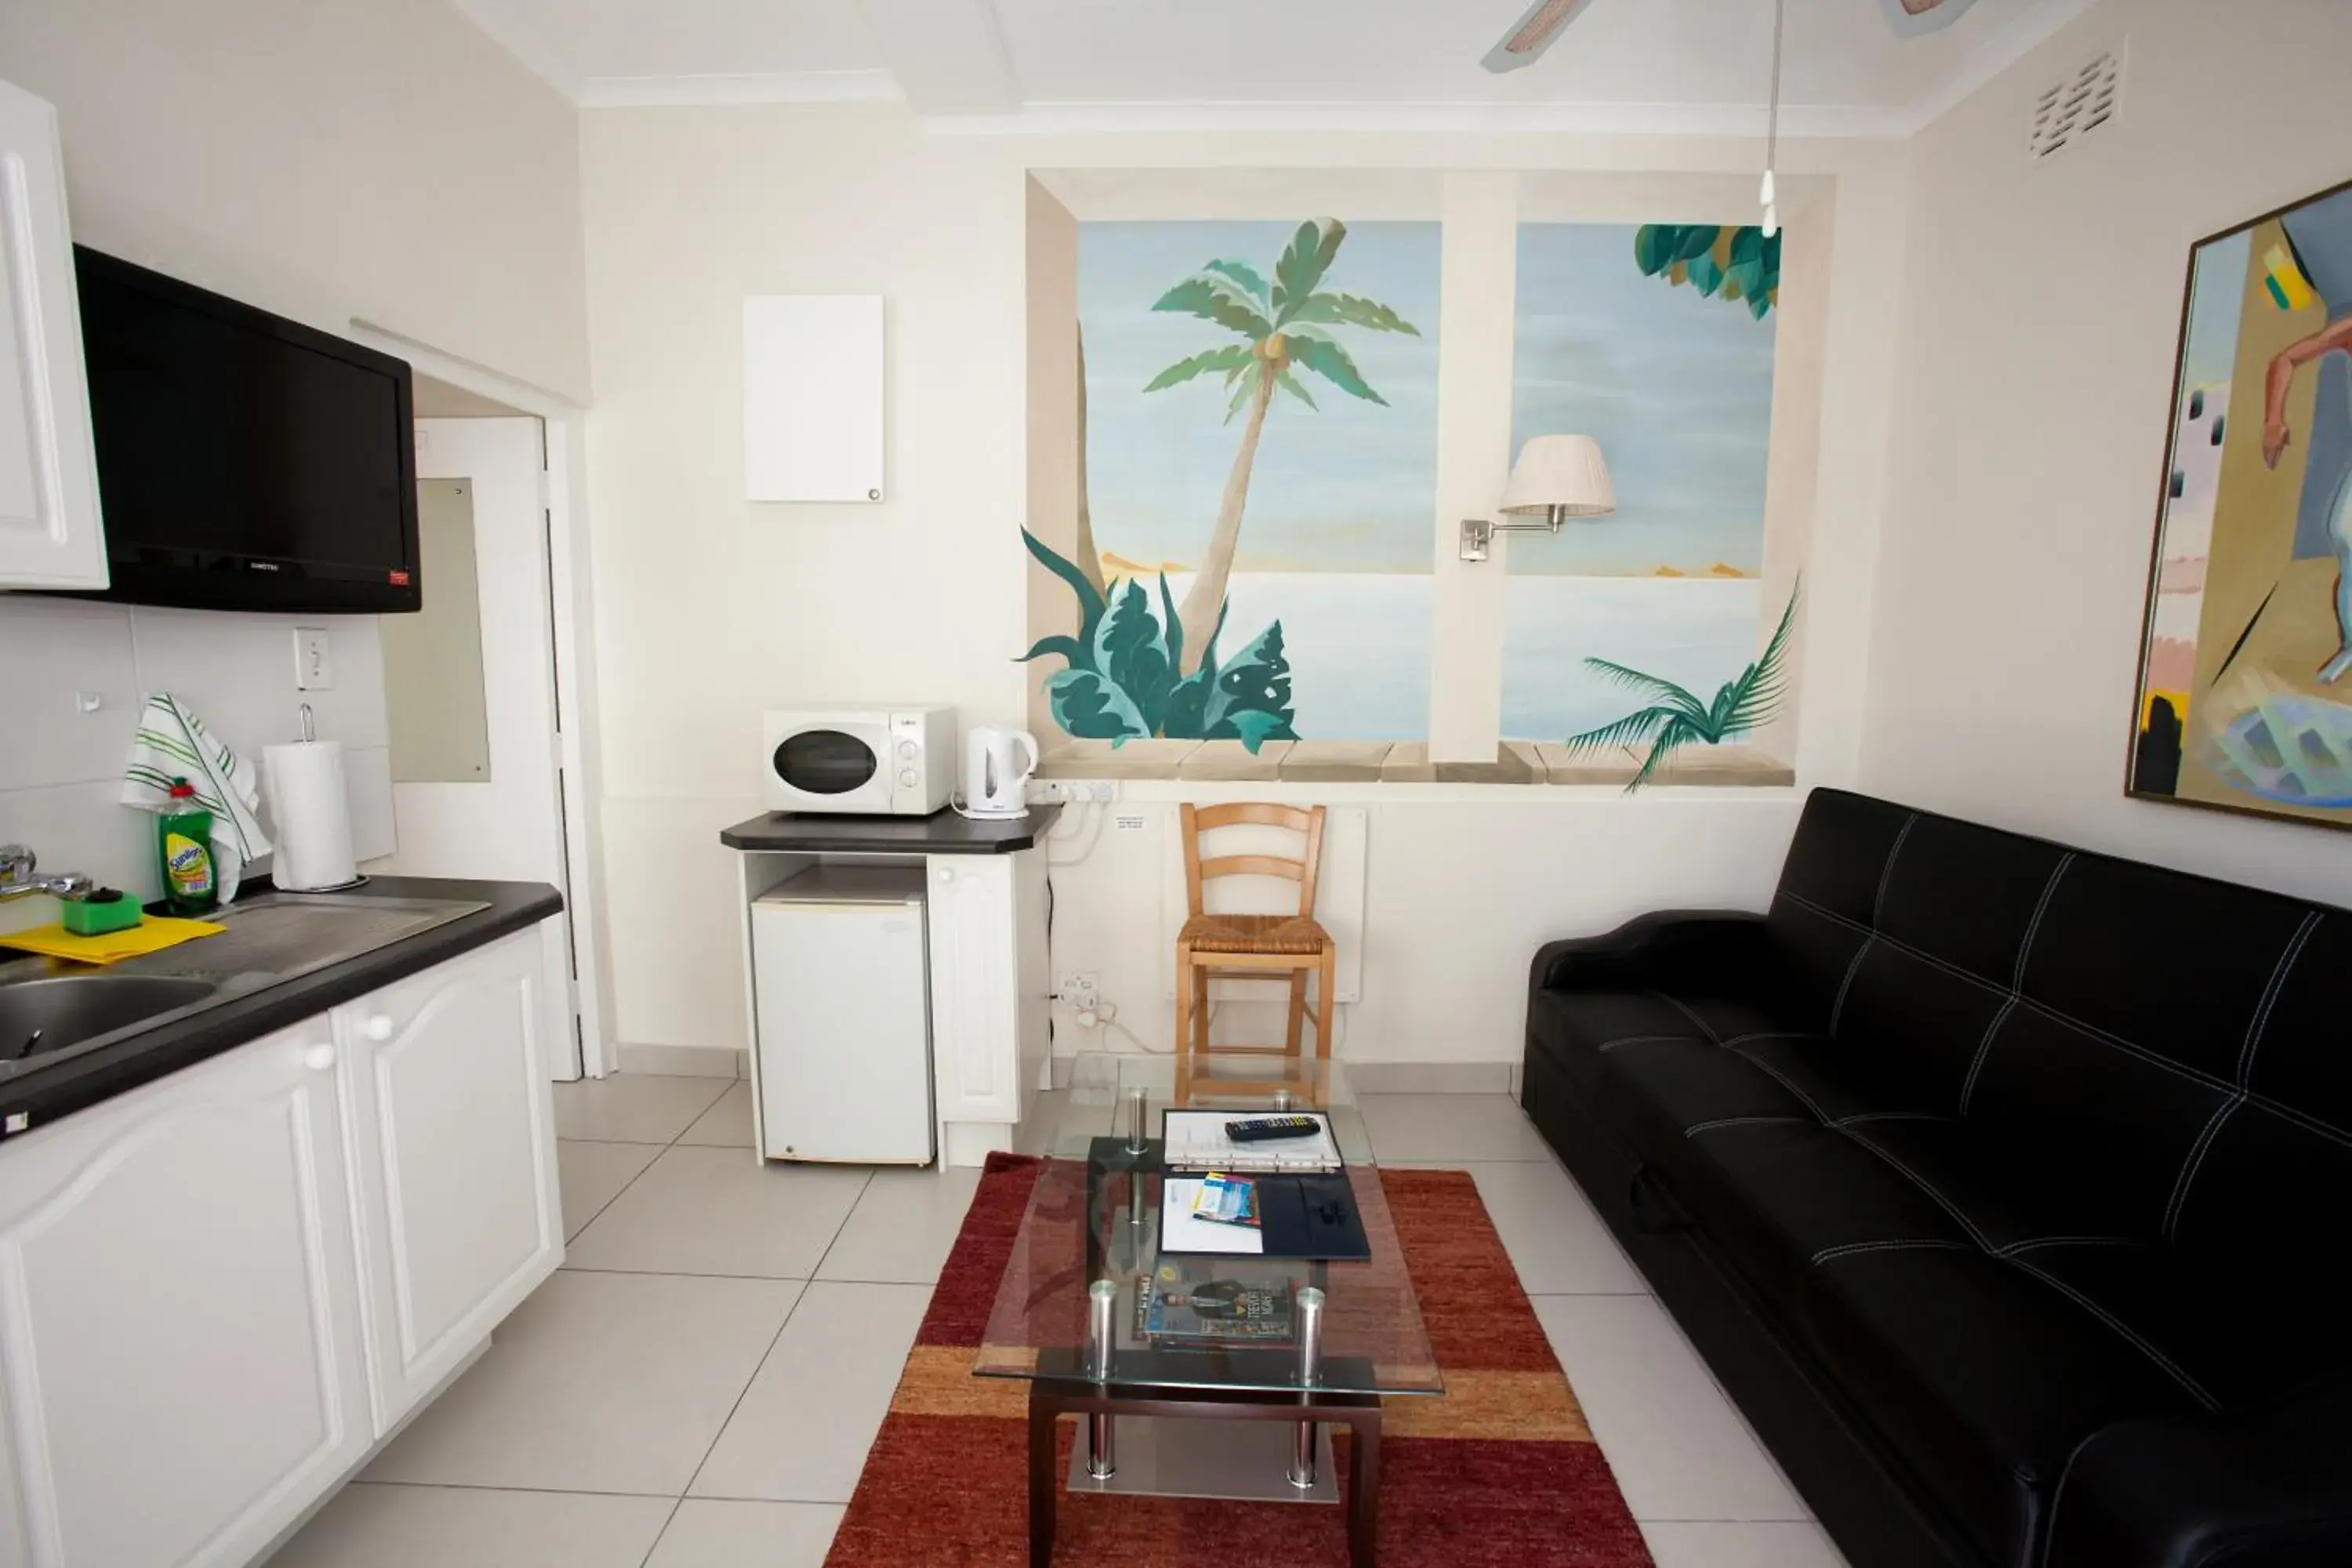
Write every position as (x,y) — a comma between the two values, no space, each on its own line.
(868,762)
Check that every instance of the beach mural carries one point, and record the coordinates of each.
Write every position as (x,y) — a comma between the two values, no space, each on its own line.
(1657,339)
(1253,554)
(2245,687)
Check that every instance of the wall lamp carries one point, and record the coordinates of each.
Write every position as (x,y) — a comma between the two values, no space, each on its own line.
(1556,477)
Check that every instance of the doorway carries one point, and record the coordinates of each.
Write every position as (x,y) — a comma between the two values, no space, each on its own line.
(471,680)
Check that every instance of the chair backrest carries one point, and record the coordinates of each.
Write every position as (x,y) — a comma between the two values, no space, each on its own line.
(1209,819)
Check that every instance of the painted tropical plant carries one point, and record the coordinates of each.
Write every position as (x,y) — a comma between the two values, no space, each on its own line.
(1737,264)
(1676,718)
(1125,679)
(1285,326)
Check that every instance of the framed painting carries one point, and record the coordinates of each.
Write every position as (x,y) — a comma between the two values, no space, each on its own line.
(2245,679)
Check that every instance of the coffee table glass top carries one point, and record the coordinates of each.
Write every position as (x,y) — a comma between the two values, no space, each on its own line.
(1078,1229)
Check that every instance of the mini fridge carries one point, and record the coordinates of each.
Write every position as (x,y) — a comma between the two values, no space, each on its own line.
(841,993)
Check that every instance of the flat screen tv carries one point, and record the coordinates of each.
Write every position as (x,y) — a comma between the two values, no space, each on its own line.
(245,461)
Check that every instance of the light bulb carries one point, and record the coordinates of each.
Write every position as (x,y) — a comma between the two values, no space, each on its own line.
(1772,220)
(1764,196)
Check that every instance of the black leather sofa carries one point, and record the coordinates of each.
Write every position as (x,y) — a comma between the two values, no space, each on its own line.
(2002,1185)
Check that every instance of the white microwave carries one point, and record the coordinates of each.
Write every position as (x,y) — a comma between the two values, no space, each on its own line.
(866,761)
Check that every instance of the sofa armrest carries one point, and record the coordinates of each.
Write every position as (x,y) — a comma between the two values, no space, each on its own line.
(2266,1486)
(1652,948)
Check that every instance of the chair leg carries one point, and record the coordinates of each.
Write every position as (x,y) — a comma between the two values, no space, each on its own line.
(1327,1005)
(1200,1008)
(1184,1039)
(1294,1038)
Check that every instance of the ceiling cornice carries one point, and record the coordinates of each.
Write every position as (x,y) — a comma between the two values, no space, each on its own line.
(770,87)
(1714,119)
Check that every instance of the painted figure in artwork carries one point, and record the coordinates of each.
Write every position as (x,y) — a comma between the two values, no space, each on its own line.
(2320,265)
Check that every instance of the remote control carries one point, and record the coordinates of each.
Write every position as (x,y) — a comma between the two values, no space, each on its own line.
(1272,1128)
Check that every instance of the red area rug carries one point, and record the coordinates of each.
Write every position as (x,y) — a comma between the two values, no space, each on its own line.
(1500,1472)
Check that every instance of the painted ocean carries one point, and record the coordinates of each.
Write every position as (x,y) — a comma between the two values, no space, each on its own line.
(1360,645)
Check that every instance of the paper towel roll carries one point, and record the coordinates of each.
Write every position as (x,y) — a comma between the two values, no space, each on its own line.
(312,813)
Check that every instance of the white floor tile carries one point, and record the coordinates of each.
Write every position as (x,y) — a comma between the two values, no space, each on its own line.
(720,1211)
(611,1383)
(1425,1127)
(902,1227)
(1555,1241)
(1678,1446)
(633,1108)
(726,1125)
(709,1533)
(1712,1545)
(593,1176)
(369,1526)
(801,1431)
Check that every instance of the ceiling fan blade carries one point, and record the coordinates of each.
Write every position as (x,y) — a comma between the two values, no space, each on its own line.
(1910,18)
(1533,34)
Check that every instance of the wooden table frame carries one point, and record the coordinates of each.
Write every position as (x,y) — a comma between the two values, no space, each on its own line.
(1051,1399)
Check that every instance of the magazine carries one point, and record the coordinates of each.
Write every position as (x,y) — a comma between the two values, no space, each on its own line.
(1187,1302)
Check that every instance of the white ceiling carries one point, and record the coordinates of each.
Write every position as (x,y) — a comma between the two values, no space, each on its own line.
(1643,64)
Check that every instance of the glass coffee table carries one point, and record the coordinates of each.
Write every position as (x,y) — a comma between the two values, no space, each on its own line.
(1224,1408)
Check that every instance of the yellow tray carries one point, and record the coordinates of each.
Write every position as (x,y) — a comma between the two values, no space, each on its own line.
(151,934)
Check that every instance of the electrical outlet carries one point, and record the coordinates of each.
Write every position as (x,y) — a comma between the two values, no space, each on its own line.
(314,664)
(1049,792)
(1103,789)
(1079,992)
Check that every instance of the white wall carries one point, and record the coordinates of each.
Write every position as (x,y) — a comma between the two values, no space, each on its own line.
(2040,317)
(323,159)
(710,609)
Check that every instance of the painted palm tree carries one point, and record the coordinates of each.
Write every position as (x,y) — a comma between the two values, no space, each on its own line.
(1284,326)
(1676,718)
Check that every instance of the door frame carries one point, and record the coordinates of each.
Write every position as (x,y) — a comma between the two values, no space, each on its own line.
(571,592)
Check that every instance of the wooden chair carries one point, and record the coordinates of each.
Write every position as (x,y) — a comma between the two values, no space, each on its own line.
(1249,947)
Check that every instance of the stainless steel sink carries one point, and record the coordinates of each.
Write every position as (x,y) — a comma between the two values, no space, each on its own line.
(37,1016)
(266,940)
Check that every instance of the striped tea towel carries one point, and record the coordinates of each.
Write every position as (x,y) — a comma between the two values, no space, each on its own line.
(173,744)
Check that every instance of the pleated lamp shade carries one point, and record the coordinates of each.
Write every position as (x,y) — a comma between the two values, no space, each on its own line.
(1563,472)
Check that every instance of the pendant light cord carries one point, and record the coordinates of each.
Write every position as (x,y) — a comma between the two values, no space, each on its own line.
(1772,120)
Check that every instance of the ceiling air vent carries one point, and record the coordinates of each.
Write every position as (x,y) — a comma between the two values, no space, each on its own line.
(2087,100)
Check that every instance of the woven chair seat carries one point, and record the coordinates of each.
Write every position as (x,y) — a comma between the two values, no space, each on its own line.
(1255,934)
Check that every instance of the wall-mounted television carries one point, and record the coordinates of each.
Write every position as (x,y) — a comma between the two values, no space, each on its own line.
(245,461)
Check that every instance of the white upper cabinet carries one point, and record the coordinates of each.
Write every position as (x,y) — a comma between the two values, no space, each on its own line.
(50,531)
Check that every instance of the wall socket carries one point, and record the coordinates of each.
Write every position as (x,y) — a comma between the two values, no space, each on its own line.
(1079,992)
(1063,791)
(314,664)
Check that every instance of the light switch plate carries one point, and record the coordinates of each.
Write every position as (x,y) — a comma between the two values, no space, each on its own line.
(314,662)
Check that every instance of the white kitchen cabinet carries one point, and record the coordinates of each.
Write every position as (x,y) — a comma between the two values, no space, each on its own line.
(988,995)
(50,531)
(453,1155)
(181,1339)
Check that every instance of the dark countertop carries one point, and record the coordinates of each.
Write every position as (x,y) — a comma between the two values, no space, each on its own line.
(45,1093)
(944,831)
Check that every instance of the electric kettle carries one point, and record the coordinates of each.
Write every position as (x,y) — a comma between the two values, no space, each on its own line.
(995,774)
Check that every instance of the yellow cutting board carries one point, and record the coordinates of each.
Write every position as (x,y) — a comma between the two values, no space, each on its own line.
(151,934)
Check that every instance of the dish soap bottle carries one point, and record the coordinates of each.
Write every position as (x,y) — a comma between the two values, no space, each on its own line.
(183,835)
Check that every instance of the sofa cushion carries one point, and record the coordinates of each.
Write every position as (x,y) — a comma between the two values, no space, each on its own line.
(1980,1375)
(1577,1028)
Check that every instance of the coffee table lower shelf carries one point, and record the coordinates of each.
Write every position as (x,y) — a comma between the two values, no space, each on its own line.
(1049,1400)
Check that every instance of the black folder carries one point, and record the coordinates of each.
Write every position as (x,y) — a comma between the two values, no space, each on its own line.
(1311,1217)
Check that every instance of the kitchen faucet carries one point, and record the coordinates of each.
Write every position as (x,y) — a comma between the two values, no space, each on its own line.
(17,879)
